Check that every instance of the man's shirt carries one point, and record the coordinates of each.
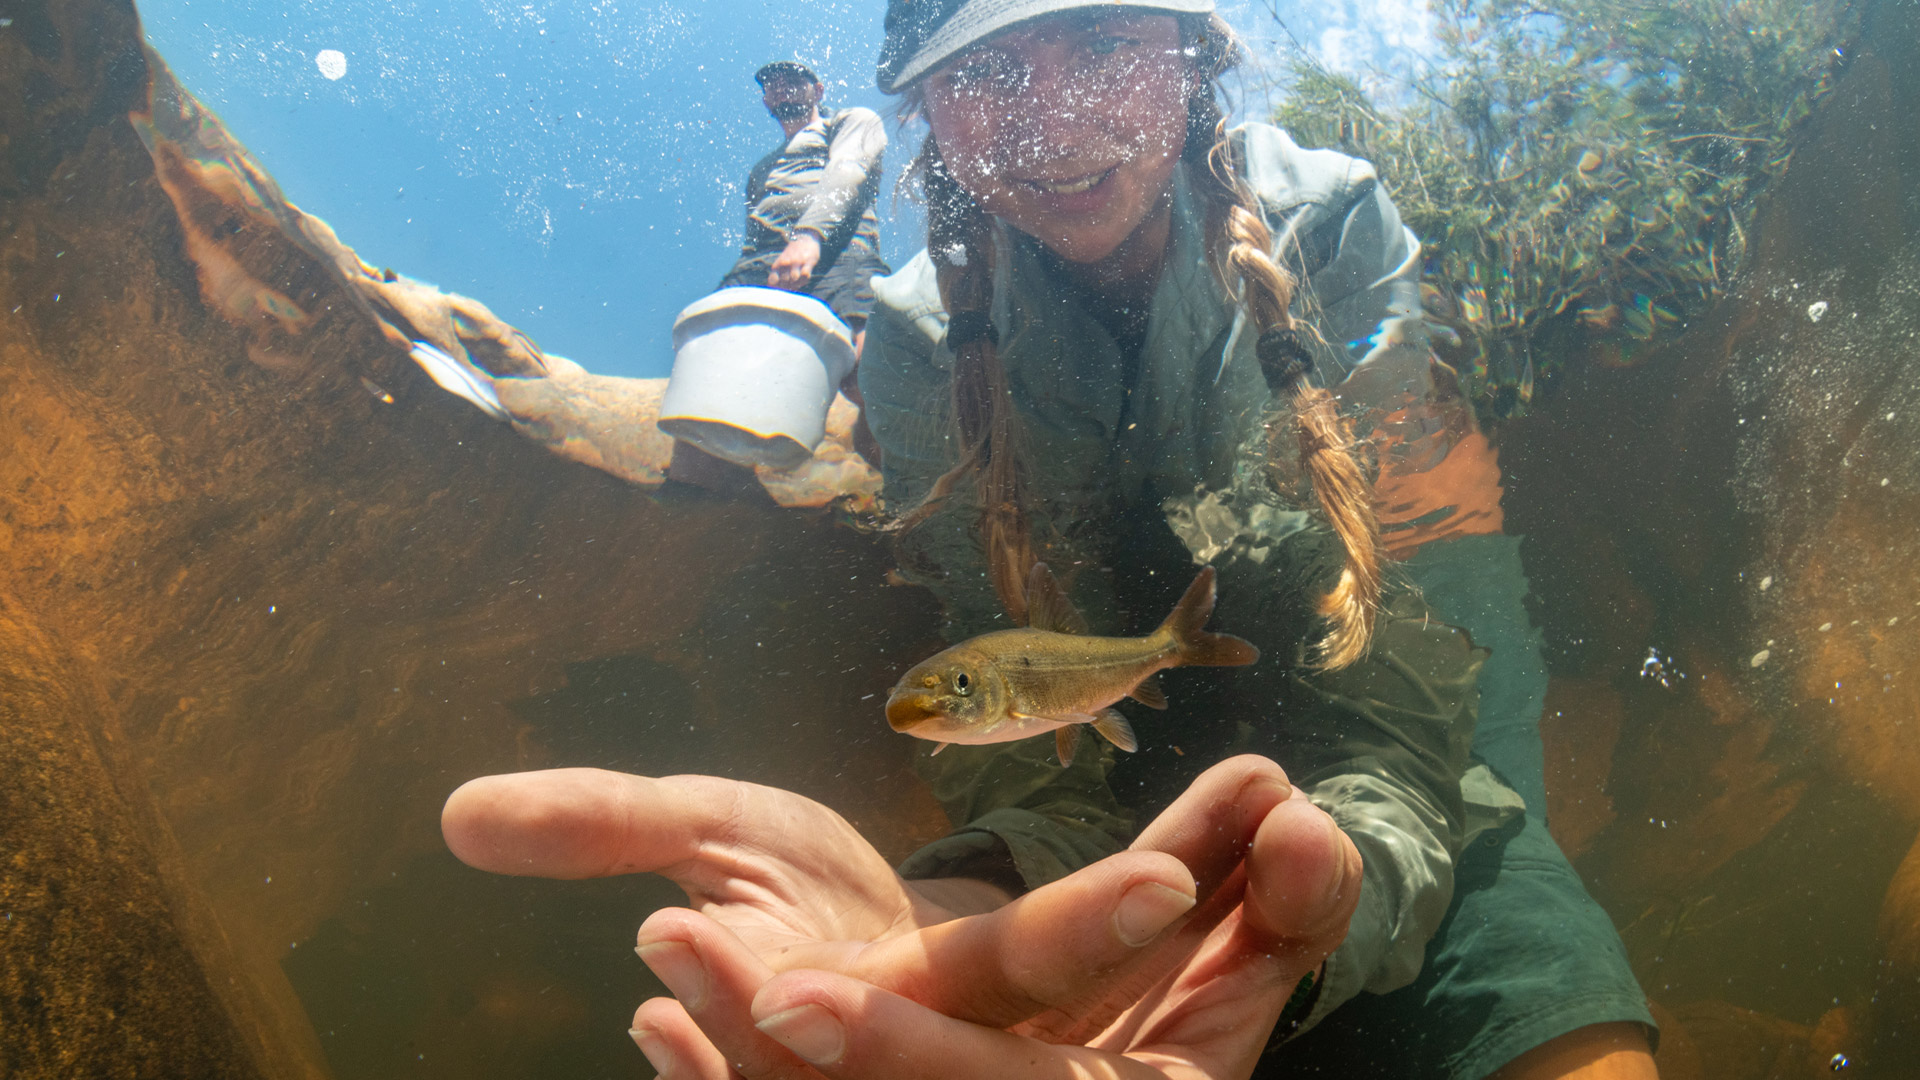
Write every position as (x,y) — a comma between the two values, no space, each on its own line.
(822,180)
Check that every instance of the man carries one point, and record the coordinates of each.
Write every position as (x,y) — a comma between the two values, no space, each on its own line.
(810,229)
(810,221)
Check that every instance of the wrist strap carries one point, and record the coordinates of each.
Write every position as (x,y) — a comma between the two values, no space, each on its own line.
(1300,1006)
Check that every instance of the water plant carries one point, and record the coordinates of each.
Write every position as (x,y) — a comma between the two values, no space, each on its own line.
(1584,173)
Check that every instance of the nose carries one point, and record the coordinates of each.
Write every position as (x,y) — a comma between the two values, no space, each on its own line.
(1059,115)
(905,710)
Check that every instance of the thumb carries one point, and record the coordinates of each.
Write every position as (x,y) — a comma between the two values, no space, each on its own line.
(1303,877)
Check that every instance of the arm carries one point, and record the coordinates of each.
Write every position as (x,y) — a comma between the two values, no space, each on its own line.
(1387,740)
(838,200)
(849,182)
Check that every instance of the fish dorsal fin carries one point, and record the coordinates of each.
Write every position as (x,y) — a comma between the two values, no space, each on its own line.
(1047,605)
(1114,727)
(1148,693)
(1064,740)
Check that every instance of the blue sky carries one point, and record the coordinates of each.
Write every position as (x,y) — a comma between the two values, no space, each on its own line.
(577,164)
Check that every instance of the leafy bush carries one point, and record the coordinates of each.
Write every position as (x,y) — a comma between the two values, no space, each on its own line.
(1583,172)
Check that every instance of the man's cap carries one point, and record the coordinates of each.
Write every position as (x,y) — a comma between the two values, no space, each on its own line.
(784,67)
(921,34)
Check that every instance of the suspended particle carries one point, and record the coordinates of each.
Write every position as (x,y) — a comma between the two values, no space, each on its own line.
(332,64)
(1817,310)
(376,390)
(1838,1062)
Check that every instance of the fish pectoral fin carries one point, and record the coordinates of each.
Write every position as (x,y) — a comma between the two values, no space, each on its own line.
(1148,693)
(1047,605)
(937,747)
(1115,728)
(1064,740)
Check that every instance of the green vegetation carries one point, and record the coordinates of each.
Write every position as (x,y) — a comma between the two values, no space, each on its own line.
(1584,172)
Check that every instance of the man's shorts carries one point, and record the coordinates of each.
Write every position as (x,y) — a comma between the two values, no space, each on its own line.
(1524,955)
(846,285)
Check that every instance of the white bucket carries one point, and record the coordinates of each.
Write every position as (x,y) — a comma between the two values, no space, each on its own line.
(754,372)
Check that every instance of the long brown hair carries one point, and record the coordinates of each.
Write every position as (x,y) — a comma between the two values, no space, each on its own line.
(960,241)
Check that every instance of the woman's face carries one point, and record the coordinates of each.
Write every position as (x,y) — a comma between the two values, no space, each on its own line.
(1067,127)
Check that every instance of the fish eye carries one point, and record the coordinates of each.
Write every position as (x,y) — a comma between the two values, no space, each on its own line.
(962,685)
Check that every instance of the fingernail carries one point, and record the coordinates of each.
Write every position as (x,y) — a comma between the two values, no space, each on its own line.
(809,1031)
(658,1056)
(1337,883)
(680,968)
(1146,909)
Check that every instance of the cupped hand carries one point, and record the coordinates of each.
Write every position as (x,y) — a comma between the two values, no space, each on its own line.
(786,876)
(1199,999)
(794,267)
(1102,963)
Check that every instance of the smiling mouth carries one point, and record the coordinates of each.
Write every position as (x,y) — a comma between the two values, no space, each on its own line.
(1071,187)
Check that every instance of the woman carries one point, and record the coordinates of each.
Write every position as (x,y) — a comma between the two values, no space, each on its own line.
(1099,366)
(1116,328)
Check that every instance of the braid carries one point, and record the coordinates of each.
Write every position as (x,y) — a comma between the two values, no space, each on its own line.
(1266,290)
(960,242)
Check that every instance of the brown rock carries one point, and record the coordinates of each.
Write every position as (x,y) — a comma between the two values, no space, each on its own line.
(287,594)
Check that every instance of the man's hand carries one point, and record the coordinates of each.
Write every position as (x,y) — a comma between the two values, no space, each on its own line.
(794,268)
(1109,963)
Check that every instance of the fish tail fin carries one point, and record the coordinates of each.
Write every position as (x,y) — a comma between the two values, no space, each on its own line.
(1196,646)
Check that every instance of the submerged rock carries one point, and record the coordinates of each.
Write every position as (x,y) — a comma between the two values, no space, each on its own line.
(268,594)
(288,281)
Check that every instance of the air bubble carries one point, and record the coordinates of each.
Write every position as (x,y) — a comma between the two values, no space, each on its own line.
(332,64)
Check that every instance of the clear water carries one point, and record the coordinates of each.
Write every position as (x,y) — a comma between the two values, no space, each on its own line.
(1720,531)
(577,166)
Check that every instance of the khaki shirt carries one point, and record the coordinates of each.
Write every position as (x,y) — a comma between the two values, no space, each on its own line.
(1140,468)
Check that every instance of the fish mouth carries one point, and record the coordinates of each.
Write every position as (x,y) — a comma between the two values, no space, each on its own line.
(907,711)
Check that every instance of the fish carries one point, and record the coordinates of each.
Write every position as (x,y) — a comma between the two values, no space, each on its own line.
(1051,675)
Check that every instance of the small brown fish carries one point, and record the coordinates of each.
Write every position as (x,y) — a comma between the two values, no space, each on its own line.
(1052,676)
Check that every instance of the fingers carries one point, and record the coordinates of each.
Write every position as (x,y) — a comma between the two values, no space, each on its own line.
(713,976)
(1053,947)
(852,1030)
(674,1045)
(581,823)
(1073,948)
(1212,824)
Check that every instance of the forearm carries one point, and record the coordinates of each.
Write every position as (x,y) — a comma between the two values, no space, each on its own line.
(1405,888)
(849,182)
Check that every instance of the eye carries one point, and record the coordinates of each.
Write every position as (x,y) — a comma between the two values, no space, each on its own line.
(962,685)
(982,70)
